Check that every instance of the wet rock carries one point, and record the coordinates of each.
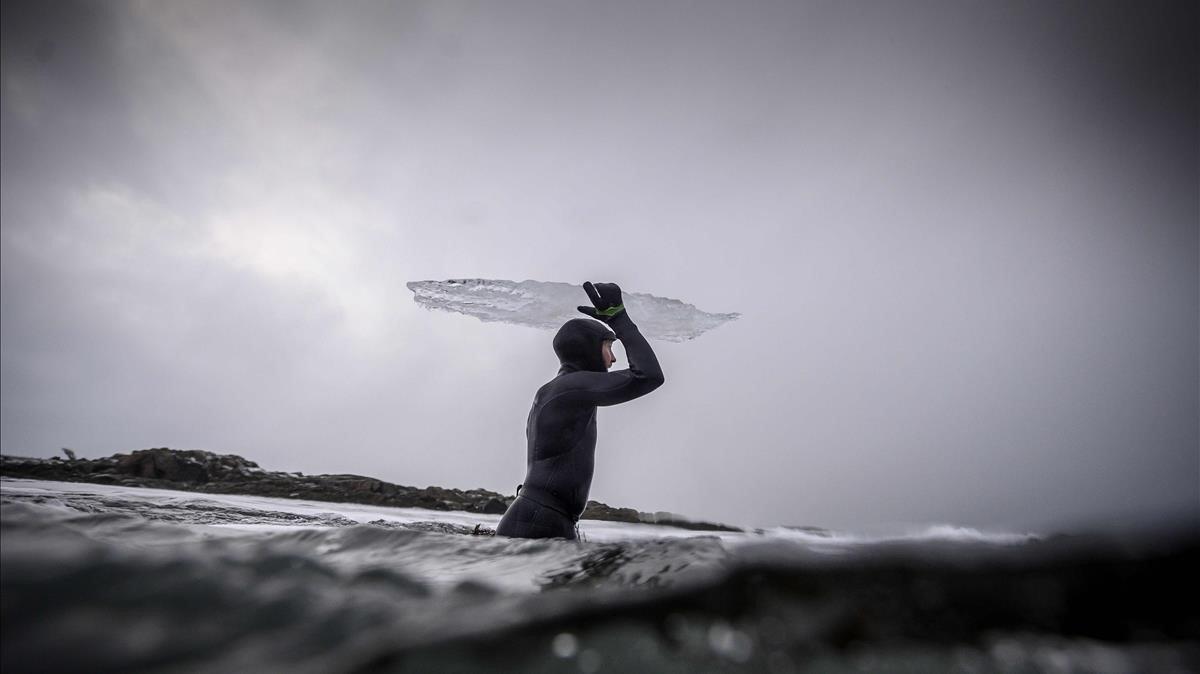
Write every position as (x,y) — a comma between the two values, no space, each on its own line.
(165,464)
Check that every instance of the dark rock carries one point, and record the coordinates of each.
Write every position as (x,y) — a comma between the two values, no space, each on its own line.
(495,506)
(596,510)
(165,464)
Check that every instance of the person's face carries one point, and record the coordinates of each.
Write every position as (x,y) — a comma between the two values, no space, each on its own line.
(606,349)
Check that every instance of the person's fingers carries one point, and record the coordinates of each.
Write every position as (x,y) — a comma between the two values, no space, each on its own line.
(591,293)
(610,292)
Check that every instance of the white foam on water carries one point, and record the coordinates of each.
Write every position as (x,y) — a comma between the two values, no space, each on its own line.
(55,495)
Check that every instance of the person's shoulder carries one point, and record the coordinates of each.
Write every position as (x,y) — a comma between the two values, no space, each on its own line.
(551,388)
(568,382)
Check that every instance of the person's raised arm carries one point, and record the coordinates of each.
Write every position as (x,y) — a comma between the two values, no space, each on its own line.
(644,373)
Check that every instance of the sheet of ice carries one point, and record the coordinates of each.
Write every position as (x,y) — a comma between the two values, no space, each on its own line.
(547,305)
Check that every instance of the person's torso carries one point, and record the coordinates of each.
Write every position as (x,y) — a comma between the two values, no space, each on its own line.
(562,446)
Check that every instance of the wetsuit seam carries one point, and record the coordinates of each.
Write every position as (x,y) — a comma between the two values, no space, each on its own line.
(589,394)
(556,396)
(549,507)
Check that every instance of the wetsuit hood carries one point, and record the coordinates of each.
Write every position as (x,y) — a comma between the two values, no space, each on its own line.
(577,345)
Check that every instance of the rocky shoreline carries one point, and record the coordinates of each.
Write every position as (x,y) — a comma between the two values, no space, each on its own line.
(202,471)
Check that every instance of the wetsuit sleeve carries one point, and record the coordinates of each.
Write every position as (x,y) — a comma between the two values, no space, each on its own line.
(610,388)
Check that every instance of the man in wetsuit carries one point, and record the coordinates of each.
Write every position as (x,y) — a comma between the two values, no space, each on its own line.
(561,429)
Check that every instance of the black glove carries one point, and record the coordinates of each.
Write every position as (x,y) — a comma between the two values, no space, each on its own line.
(607,300)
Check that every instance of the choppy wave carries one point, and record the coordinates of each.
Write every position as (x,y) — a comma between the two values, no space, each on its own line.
(116,579)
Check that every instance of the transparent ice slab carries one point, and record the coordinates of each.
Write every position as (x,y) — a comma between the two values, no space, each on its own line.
(547,305)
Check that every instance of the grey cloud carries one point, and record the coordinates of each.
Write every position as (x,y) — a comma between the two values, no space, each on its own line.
(963,238)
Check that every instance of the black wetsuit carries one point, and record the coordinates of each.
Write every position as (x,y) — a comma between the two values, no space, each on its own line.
(561,429)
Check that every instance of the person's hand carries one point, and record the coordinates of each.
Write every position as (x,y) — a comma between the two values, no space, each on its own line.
(607,300)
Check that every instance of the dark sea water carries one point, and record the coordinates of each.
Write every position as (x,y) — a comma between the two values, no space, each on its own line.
(99,578)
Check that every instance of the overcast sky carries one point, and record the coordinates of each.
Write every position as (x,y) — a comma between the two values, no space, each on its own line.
(962,237)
